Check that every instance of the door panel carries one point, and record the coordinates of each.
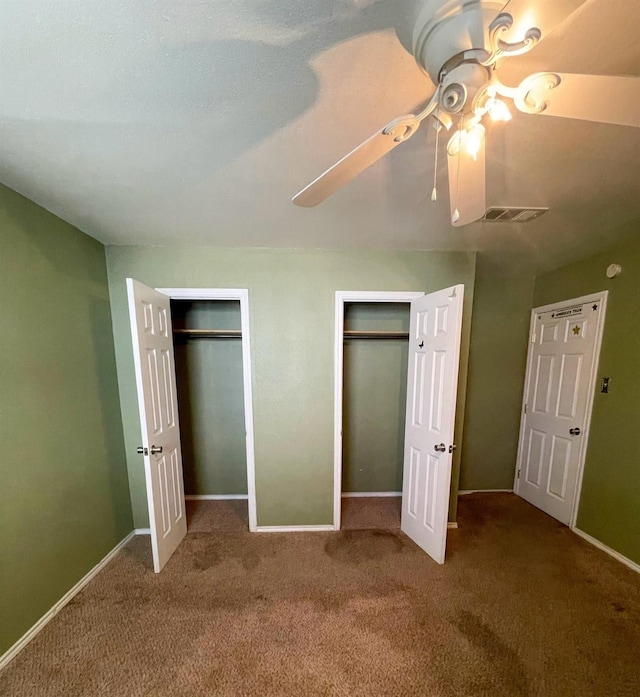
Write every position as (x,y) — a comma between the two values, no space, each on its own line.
(150,314)
(434,354)
(564,343)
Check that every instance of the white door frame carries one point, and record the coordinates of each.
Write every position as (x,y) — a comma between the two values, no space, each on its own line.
(600,297)
(241,294)
(342,297)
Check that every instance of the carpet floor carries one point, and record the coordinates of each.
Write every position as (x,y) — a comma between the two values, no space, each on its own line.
(522,607)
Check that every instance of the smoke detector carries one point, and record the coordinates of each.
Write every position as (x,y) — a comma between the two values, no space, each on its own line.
(512,214)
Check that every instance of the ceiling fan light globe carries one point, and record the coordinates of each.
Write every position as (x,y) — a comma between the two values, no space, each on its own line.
(473,140)
(498,110)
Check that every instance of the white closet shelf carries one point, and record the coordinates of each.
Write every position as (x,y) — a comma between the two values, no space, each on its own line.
(210,333)
(353,334)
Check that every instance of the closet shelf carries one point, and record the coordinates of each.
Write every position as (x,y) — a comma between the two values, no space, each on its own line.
(353,334)
(209,333)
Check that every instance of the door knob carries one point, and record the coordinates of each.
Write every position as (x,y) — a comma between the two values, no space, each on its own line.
(142,451)
(155,449)
(575,431)
(440,448)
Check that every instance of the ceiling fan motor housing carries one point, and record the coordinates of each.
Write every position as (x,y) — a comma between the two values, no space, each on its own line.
(448,28)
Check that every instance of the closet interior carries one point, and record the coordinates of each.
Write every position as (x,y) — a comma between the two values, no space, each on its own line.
(375,354)
(207,339)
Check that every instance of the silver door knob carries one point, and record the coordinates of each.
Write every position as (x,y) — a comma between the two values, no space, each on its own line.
(440,448)
(155,449)
(142,451)
(575,431)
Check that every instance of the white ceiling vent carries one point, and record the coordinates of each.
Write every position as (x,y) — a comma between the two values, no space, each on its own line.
(506,214)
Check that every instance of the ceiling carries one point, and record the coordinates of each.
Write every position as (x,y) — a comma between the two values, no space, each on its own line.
(194,122)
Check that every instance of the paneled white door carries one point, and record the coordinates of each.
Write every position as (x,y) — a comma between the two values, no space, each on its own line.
(150,314)
(434,355)
(560,374)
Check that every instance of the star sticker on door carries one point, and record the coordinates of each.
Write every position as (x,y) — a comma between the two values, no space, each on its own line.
(594,307)
(576,330)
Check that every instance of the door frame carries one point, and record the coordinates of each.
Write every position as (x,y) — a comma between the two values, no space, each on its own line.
(241,294)
(342,297)
(600,297)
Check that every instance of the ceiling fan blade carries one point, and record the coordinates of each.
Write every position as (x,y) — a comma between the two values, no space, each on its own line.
(545,15)
(467,194)
(346,169)
(602,98)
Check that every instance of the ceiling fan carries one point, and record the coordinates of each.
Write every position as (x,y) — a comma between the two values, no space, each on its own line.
(457,43)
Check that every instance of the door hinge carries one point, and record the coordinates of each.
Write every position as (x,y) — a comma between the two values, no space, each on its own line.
(525,408)
(518,476)
(533,338)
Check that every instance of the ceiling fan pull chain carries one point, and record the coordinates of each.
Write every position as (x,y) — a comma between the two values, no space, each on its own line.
(455,216)
(434,193)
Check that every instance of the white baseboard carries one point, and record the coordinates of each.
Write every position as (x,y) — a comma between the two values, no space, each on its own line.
(216,497)
(369,494)
(464,492)
(50,614)
(452,526)
(611,552)
(294,528)
(142,531)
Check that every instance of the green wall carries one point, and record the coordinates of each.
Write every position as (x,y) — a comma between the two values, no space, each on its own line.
(497,364)
(610,502)
(375,397)
(64,499)
(292,305)
(210,399)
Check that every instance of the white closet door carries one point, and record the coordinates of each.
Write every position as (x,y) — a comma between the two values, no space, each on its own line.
(434,356)
(150,314)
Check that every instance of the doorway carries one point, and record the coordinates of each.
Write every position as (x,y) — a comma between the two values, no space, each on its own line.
(214,474)
(564,348)
(207,340)
(375,352)
(153,352)
(433,356)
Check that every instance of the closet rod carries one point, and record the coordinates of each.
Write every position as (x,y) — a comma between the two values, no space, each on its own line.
(353,334)
(209,333)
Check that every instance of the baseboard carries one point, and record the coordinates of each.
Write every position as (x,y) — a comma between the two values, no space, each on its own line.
(452,526)
(369,494)
(611,552)
(50,614)
(464,492)
(217,497)
(294,528)
(142,531)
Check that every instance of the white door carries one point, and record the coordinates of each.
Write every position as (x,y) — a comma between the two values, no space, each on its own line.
(434,355)
(557,403)
(150,314)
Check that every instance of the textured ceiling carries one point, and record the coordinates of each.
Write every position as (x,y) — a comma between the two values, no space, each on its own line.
(194,122)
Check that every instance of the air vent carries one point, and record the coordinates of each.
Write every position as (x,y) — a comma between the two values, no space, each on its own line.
(512,214)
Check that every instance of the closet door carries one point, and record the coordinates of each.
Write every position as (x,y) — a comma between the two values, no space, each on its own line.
(150,314)
(434,355)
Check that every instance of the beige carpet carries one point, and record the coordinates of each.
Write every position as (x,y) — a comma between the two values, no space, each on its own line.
(218,516)
(522,607)
(368,512)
